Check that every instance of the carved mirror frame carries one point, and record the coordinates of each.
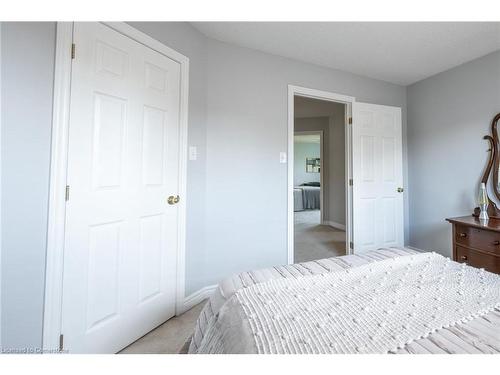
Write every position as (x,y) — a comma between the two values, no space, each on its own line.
(493,163)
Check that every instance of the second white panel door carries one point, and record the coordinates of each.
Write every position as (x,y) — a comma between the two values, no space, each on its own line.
(377,177)
(121,235)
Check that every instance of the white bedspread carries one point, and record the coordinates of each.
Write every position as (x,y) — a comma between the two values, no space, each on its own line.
(374,308)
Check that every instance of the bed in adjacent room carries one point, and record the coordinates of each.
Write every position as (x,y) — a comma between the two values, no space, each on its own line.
(307,197)
(392,300)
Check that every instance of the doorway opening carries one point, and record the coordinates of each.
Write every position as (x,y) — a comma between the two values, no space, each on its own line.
(372,176)
(319,179)
(319,170)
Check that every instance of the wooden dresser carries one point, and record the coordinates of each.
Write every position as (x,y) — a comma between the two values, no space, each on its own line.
(476,244)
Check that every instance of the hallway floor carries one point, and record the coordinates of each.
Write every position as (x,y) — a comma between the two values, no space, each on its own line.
(316,241)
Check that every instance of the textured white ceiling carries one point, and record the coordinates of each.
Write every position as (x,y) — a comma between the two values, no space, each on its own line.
(397,52)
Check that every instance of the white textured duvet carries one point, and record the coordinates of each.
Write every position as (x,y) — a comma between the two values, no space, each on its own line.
(373,308)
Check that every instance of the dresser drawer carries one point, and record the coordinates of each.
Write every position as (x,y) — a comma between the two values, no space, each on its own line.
(478,238)
(477,259)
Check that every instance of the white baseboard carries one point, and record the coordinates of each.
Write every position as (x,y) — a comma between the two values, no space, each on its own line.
(333,224)
(196,297)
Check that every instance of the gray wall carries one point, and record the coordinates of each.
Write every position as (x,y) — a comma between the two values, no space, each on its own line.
(246,130)
(448,115)
(27,81)
(336,168)
(301,151)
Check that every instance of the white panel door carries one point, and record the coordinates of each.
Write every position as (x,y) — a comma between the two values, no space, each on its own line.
(121,235)
(377,177)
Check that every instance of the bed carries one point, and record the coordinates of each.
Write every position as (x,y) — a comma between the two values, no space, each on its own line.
(306,197)
(392,300)
(298,200)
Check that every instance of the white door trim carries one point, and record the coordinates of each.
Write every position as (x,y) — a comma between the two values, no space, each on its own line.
(59,153)
(322,169)
(322,95)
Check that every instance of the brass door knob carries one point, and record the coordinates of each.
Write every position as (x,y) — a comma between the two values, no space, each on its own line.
(400,189)
(173,200)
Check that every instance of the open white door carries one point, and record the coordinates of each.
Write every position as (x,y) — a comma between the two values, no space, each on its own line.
(121,240)
(377,177)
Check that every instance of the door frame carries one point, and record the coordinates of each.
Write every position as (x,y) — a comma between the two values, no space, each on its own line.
(322,164)
(294,91)
(52,317)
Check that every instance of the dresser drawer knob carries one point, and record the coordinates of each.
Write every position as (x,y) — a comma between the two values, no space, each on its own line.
(496,243)
(462,235)
(463,257)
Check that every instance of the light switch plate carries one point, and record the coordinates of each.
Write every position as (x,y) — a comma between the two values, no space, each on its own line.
(283,157)
(193,153)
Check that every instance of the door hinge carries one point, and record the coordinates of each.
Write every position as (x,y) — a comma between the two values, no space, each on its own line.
(351,182)
(351,245)
(73,47)
(350,120)
(67,193)
(61,343)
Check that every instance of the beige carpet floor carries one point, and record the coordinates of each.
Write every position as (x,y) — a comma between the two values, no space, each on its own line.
(168,338)
(315,241)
